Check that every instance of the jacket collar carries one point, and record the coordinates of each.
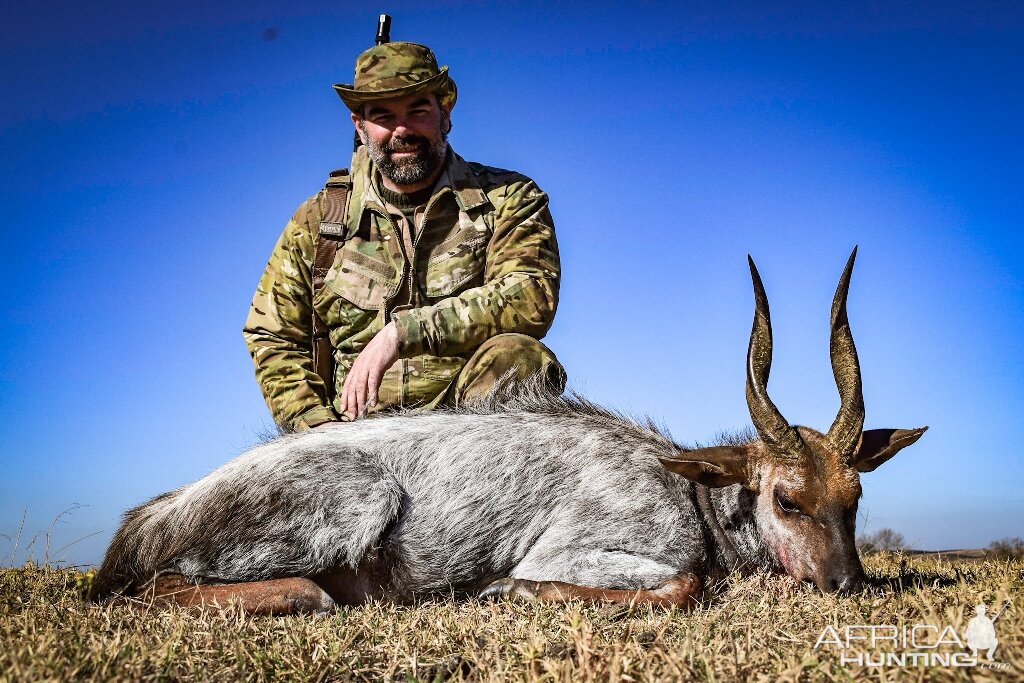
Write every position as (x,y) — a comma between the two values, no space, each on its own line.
(457,177)
(463,182)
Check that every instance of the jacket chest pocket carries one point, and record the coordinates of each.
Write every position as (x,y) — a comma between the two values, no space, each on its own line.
(458,262)
(363,274)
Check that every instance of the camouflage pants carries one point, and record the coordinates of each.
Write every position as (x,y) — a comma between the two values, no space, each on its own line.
(426,382)
(523,355)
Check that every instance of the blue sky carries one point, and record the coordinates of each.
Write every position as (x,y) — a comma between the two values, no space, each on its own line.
(151,154)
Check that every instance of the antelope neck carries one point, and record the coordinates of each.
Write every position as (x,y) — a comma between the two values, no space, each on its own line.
(729,515)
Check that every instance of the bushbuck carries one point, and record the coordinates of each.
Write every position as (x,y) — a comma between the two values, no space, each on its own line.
(527,495)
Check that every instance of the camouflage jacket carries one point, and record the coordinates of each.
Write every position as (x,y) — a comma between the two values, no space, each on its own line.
(483,261)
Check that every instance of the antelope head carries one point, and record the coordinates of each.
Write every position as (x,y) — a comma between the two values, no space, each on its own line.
(807,484)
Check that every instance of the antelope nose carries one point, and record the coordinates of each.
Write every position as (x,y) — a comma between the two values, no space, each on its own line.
(849,583)
(844,583)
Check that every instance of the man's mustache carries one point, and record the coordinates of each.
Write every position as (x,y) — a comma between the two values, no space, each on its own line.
(407,144)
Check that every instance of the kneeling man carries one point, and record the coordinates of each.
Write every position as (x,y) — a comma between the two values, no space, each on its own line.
(414,280)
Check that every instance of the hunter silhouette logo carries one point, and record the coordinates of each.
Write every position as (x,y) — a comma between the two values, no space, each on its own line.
(918,644)
(981,632)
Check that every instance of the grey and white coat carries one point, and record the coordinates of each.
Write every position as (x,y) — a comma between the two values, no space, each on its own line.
(529,495)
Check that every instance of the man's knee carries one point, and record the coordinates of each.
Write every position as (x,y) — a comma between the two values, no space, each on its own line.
(511,346)
(518,354)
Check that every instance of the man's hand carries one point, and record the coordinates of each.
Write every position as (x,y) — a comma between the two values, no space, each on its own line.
(359,392)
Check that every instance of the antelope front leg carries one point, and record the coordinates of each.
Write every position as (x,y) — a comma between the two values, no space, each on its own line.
(681,590)
(276,596)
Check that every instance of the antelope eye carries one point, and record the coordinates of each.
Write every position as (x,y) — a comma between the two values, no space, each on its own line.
(786,503)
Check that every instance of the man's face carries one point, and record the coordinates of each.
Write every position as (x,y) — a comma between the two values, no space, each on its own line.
(406,137)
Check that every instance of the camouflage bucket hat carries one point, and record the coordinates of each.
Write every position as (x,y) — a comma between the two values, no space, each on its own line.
(395,70)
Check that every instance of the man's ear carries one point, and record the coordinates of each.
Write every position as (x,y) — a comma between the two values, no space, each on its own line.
(878,445)
(712,466)
(356,120)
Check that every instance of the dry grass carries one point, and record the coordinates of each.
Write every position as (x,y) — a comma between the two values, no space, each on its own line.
(757,629)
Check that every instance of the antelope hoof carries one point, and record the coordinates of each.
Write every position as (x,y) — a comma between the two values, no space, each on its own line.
(509,589)
(308,600)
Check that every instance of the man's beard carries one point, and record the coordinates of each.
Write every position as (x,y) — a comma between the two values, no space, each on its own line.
(429,156)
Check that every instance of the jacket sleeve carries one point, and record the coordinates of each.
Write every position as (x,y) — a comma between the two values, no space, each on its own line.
(520,290)
(278,330)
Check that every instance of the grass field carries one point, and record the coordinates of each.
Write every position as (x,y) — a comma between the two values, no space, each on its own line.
(762,628)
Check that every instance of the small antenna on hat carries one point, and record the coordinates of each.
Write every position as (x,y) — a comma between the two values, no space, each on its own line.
(383,29)
(383,36)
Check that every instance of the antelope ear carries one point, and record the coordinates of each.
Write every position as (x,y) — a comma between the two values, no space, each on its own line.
(878,445)
(713,466)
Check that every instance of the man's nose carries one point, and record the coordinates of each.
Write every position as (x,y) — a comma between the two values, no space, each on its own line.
(402,125)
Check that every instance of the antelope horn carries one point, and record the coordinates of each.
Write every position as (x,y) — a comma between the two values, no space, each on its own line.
(775,431)
(845,432)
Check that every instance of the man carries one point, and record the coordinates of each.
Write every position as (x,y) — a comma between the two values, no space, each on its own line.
(445,273)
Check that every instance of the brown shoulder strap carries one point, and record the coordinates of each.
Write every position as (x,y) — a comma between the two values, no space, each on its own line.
(330,235)
(333,218)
